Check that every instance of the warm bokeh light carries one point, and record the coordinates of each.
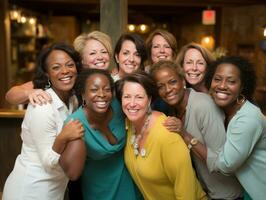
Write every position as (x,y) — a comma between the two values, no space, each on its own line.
(23,19)
(143,28)
(208,42)
(14,14)
(32,21)
(131,27)
(264,32)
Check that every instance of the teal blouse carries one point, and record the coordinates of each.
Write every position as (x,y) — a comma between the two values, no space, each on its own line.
(105,176)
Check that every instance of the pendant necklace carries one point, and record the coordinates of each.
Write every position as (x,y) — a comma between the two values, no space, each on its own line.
(136,138)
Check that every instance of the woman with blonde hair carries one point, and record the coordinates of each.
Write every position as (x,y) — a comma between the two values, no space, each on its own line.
(95,49)
(195,59)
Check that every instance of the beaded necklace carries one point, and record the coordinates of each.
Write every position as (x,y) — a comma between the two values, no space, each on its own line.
(136,138)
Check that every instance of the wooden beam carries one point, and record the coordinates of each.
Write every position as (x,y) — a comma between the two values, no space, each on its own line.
(113,18)
(5,61)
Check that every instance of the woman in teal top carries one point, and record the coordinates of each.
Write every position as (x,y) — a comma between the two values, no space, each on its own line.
(104,176)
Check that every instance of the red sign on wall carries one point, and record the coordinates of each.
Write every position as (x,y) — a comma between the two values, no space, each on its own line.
(208,17)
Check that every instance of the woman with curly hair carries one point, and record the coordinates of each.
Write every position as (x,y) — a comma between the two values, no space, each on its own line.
(38,173)
(232,82)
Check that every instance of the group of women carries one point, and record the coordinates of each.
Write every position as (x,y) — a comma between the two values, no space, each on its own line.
(136,142)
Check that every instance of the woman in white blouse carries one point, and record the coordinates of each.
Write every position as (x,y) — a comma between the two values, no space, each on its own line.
(37,173)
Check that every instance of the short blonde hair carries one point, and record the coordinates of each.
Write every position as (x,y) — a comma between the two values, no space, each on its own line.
(169,37)
(206,54)
(80,41)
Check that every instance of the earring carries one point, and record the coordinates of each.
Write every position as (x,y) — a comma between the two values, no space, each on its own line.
(149,110)
(83,103)
(48,85)
(240,99)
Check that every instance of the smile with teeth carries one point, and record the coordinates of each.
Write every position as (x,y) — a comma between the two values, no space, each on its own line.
(193,75)
(66,79)
(221,95)
(102,104)
(100,64)
(162,56)
(132,111)
(130,66)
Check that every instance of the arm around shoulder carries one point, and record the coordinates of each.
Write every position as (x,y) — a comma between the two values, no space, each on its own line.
(19,93)
(73,158)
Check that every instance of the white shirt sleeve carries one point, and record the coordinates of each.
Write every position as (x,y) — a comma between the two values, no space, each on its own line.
(44,129)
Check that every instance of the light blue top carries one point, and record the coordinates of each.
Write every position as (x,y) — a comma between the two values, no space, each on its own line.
(244,152)
(105,176)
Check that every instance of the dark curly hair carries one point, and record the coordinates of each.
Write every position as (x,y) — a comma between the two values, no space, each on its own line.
(40,79)
(138,41)
(80,85)
(247,74)
(140,77)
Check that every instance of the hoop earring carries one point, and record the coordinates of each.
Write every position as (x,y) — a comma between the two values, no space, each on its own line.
(48,85)
(83,103)
(240,99)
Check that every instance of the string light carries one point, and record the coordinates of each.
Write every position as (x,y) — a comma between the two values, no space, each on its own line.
(32,21)
(131,27)
(143,28)
(23,19)
(14,14)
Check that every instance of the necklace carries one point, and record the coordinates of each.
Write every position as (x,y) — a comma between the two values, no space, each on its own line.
(136,138)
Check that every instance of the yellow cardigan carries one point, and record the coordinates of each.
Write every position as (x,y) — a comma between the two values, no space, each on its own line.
(166,172)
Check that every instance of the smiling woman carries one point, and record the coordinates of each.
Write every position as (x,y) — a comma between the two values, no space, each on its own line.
(104,140)
(195,59)
(232,82)
(161,45)
(130,54)
(95,49)
(199,121)
(172,176)
(37,169)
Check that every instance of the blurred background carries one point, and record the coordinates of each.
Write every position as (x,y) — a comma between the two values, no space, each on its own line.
(232,27)
(223,26)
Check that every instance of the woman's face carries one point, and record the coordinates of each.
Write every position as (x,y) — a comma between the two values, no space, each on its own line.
(98,94)
(160,49)
(61,70)
(128,58)
(170,86)
(226,85)
(135,101)
(194,66)
(95,55)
